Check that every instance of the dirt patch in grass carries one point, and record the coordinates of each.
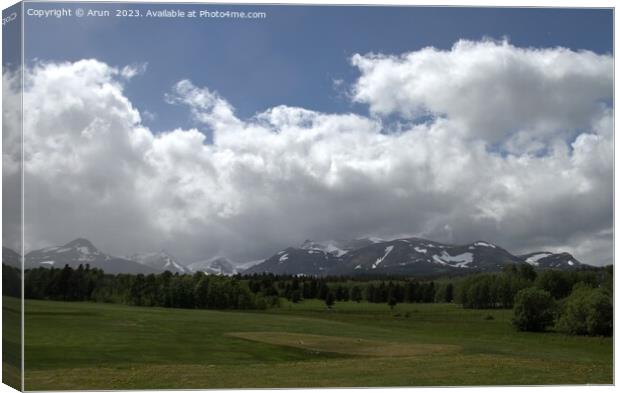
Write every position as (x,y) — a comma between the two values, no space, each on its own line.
(344,345)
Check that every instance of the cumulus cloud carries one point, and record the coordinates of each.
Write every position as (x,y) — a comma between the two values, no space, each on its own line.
(11,160)
(287,174)
(495,90)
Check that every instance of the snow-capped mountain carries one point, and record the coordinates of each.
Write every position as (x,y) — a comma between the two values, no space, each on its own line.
(217,265)
(413,256)
(82,252)
(549,260)
(160,261)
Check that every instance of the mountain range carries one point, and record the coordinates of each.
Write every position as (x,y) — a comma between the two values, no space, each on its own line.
(407,256)
(367,256)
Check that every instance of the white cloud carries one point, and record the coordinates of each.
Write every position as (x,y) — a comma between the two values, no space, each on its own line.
(288,174)
(495,90)
(131,71)
(148,115)
(207,106)
(11,160)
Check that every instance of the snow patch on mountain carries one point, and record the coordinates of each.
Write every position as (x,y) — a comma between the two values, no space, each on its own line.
(461,260)
(533,260)
(174,265)
(84,250)
(329,247)
(484,244)
(388,250)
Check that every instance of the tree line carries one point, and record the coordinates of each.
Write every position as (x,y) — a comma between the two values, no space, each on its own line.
(154,290)
(342,289)
(576,302)
(199,290)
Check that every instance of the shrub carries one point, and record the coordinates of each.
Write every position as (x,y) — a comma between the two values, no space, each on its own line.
(587,312)
(533,310)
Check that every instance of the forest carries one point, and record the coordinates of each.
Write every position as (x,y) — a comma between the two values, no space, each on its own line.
(578,302)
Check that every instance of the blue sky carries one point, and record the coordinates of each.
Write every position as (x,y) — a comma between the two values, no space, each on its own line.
(11,53)
(294,55)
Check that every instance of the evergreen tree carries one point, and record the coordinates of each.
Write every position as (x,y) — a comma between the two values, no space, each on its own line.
(329,300)
(356,294)
(296,296)
(449,296)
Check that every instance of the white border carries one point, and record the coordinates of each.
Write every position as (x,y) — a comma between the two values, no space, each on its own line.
(470,3)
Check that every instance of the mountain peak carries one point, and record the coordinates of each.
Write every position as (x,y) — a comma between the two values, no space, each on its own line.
(482,243)
(80,242)
(546,259)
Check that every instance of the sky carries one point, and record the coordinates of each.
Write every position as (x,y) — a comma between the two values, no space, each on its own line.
(241,137)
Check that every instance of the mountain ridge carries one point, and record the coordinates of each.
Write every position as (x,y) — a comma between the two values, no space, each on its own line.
(403,256)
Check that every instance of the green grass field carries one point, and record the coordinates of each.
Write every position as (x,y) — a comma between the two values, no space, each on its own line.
(11,338)
(105,346)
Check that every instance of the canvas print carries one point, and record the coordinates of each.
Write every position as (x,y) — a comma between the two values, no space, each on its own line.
(206,196)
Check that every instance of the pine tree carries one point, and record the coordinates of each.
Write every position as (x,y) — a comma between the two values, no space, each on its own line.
(329,300)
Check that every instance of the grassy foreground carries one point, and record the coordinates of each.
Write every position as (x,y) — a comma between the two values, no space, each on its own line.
(11,342)
(104,346)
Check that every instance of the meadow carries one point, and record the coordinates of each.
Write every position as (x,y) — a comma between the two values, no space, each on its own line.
(84,345)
